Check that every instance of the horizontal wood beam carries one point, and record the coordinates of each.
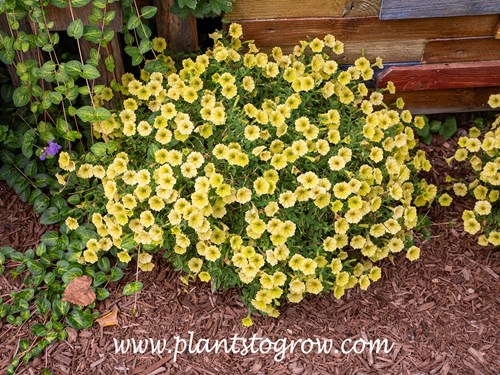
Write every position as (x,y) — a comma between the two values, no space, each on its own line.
(461,50)
(258,9)
(288,31)
(445,101)
(397,9)
(442,76)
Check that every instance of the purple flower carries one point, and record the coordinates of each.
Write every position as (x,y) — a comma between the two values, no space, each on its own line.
(52,149)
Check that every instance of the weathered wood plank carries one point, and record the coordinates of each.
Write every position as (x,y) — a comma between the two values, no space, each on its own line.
(457,50)
(397,9)
(497,34)
(445,101)
(180,34)
(289,31)
(263,9)
(409,51)
(442,76)
(62,16)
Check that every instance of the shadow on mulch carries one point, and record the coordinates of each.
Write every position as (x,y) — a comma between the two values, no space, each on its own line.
(441,312)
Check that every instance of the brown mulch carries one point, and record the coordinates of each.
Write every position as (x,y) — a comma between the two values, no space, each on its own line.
(441,312)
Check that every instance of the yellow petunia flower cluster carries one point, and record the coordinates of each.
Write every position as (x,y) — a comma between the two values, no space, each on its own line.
(281,174)
(481,151)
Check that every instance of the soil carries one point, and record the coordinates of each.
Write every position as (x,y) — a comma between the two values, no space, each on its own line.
(440,312)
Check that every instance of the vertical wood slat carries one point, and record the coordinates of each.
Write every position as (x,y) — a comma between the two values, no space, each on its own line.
(397,9)
(180,34)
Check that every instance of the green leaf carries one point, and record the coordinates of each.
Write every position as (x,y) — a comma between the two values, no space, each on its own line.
(75,28)
(50,216)
(115,274)
(90,72)
(133,22)
(79,3)
(109,63)
(92,33)
(71,274)
(145,46)
(187,3)
(27,144)
(132,288)
(34,267)
(104,264)
(21,96)
(99,149)
(41,204)
(42,180)
(7,56)
(49,238)
(435,126)
(148,11)
(43,306)
(31,168)
(85,113)
(449,127)
(79,319)
(101,114)
(99,279)
(39,330)
(101,294)
(155,66)
(73,68)
(59,307)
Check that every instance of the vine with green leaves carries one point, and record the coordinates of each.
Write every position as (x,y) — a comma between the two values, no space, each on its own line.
(57,100)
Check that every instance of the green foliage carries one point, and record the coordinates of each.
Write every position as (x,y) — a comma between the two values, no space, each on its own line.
(446,129)
(202,8)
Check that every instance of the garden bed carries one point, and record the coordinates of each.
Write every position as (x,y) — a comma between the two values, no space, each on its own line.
(440,311)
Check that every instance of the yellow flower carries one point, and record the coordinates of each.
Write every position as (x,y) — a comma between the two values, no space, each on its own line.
(90,256)
(204,276)
(261,186)
(146,218)
(71,223)
(341,190)
(419,122)
(494,101)
(445,200)
(413,253)
(336,163)
(364,282)
(235,30)
(159,44)
(482,208)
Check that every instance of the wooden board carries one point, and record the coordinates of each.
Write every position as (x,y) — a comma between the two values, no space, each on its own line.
(459,49)
(442,76)
(289,31)
(180,33)
(409,51)
(263,9)
(397,9)
(445,101)
(497,33)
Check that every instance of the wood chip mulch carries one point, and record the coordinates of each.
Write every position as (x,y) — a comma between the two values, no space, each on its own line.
(441,312)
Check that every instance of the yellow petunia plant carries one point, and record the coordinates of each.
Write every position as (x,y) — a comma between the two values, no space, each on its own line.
(481,151)
(280,174)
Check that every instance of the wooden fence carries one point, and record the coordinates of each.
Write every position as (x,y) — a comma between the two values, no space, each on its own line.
(448,51)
